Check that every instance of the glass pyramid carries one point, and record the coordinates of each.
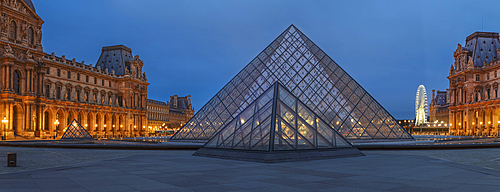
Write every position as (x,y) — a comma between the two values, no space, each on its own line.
(295,126)
(296,62)
(76,131)
(275,124)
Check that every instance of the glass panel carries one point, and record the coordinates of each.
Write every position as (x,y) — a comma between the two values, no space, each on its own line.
(247,114)
(287,99)
(325,131)
(268,96)
(287,115)
(306,114)
(281,139)
(340,142)
(306,134)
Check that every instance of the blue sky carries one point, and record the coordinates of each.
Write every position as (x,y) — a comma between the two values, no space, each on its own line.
(196,47)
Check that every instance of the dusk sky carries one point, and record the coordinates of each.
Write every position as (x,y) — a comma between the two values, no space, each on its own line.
(195,47)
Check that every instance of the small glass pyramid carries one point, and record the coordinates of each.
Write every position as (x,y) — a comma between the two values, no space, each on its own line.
(321,84)
(276,122)
(75,131)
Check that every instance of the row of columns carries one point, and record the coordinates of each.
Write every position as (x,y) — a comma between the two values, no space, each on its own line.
(477,122)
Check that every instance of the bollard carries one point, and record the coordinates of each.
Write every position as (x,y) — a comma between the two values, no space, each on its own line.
(11,159)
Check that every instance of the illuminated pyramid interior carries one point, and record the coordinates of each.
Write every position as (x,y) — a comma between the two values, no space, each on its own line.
(76,131)
(321,84)
(277,127)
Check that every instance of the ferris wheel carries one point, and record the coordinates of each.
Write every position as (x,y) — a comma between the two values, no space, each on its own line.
(421,108)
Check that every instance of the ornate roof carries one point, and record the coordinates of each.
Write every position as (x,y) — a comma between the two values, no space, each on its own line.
(483,46)
(30,4)
(114,58)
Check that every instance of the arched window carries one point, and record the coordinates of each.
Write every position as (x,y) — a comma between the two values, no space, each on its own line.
(31,40)
(16,79)
(45,121)
(13,30)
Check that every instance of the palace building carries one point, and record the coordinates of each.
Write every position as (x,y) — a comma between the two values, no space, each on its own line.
(171,115)
(41,93)
(474,104)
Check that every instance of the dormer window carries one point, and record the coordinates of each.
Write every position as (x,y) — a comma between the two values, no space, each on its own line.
(477,78)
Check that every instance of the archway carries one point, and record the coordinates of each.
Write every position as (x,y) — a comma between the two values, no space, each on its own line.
(17,120)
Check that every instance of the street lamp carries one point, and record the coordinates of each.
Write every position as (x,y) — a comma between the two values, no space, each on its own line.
(481,128)
(474,130)
(459,127)
(4,121)
(57,125)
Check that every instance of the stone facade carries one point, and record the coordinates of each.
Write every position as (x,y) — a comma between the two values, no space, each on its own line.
(474,101)
(41,93)
(171,115)
(438,109)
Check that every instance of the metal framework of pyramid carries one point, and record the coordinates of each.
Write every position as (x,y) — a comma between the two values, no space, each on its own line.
(277,127)
(296,62)
(76,131)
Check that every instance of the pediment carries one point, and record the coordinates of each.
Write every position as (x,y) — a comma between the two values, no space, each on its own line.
(21,7)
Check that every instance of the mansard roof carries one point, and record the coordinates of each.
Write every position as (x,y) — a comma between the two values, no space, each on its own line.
(483,46)
(114,58)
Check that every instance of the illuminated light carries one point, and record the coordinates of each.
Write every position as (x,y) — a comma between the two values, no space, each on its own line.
(113,125)
(4,120)
(104,125)
(461,124)
(85,125)
(337,122)
(135,126)
(481,123)
(489,122)
(95,125)
(472,123)
(121,125)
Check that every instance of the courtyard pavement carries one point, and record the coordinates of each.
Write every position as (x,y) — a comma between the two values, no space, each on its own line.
(178,170)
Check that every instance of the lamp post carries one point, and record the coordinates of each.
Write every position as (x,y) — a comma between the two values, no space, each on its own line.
(57,125)
(459,127)
(474,129)
(4,121)
(113,131)
(481,128)
(489,128)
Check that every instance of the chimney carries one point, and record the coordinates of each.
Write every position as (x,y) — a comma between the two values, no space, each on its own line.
(175,101)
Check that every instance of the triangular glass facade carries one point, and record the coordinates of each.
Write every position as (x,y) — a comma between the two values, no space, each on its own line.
(76,131)
(301,66)
(295,126)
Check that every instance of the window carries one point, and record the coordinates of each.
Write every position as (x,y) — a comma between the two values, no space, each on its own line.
(31,40)
(487,76)
(495,73)
(95,80)
(477,78)
(13,30)
(47,91)
(16,79)
(58,72)
(87,78)
(78,76)
(68,91)
(102,82)
(69,74)
(120,102)
(58,92)
(48,70)
(109,83)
